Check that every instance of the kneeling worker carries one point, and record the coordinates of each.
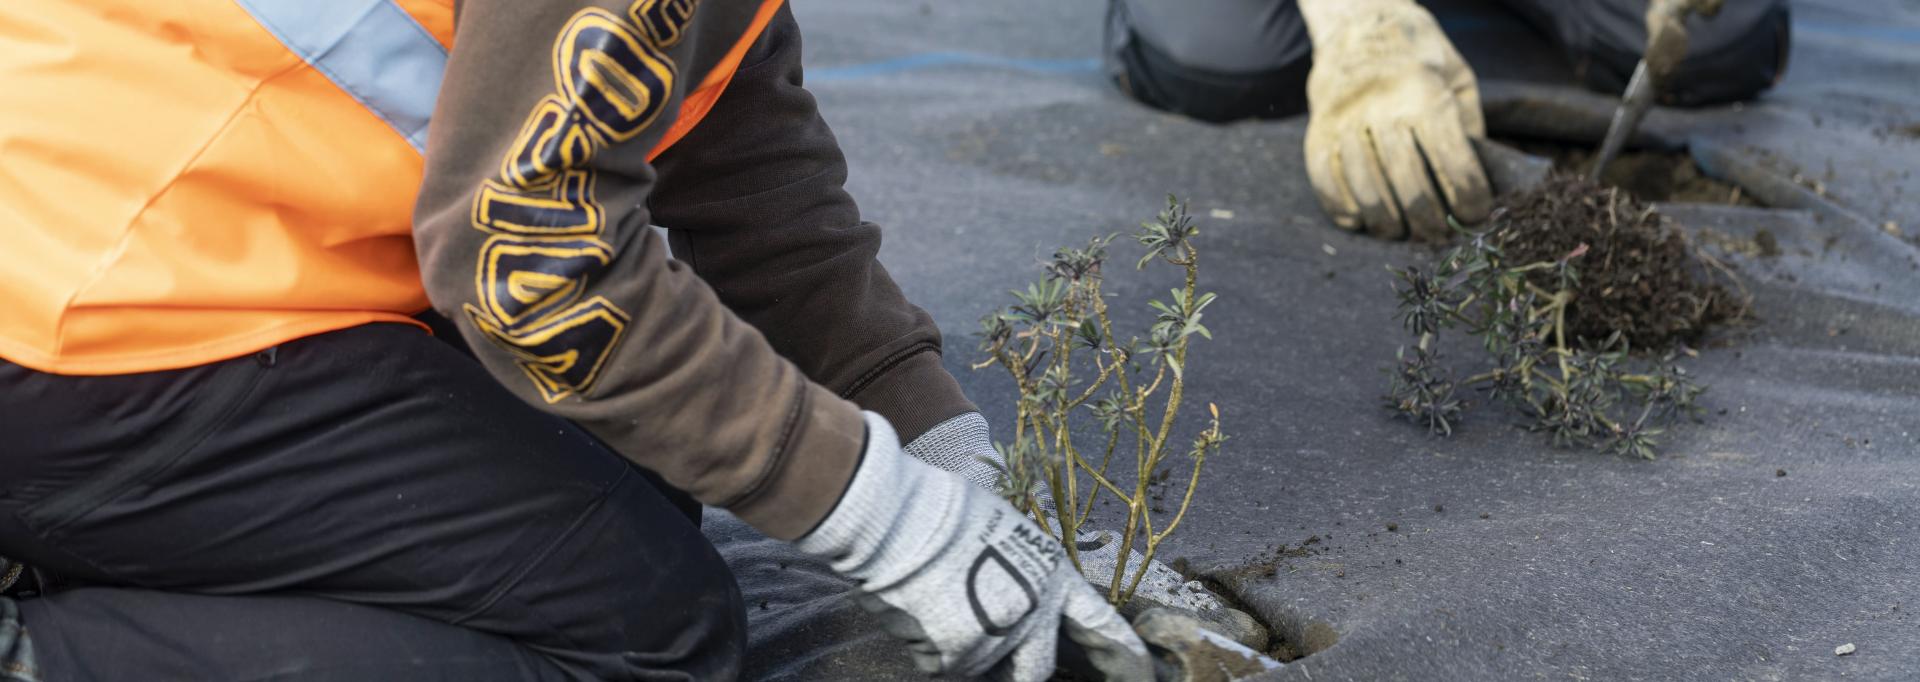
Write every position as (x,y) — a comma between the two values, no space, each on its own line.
(1393,105)
(231,451)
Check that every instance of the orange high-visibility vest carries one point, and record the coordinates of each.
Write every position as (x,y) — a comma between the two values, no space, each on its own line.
(187,181)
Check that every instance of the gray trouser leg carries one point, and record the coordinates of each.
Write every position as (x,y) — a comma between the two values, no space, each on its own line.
(114,633)
(1221,60)
(361,504)
(1214,60)
(1731,57)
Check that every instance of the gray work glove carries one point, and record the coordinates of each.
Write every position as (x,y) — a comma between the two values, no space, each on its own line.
(972,586)
(1393,109)
(963,445)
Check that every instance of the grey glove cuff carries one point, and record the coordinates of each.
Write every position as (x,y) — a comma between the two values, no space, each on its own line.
(963,445)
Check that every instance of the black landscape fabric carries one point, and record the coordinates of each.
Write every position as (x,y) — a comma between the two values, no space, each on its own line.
(981,135)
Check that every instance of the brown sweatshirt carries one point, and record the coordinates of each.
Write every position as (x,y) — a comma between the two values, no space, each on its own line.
(737,367)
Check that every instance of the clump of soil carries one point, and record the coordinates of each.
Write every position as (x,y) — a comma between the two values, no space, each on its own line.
(1662,176)
(1638,275)
(1647,175)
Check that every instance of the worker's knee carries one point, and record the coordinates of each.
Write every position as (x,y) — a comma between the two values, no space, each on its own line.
(1215,63)
(1731,57)
(1735,57)
(681,610)
(712,640)
(632,591)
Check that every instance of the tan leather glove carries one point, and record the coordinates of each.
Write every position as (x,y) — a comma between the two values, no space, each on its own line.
(1667,33)
(1393,106)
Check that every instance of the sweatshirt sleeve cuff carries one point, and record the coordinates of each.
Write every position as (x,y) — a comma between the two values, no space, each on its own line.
(914,395)
(812,471)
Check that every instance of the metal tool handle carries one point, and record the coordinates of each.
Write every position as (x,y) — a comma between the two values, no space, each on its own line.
(1633,107)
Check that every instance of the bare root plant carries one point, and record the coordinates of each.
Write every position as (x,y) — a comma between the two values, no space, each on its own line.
(1054,337)
(1581,393)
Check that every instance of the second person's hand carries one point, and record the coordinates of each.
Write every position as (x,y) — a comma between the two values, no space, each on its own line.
(1393,107)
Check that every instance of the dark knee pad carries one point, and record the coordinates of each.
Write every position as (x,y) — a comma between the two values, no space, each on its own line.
(717,633)
(1213,60)
(1735,60)
(1731,57)
(678,586)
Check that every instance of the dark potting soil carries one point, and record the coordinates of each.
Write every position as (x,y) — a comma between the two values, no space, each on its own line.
(1639,275)
(1647,175)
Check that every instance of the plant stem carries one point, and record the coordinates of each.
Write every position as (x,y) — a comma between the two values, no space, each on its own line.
(1106,371)
(1065,496)
(1560,331)
(1105,483)
(1193,483)
(1134,508)
(1177,390)
(1113,440)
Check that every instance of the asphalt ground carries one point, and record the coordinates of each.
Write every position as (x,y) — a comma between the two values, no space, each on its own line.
(982,135)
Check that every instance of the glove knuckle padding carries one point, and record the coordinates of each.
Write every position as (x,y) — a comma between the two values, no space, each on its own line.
(973,578)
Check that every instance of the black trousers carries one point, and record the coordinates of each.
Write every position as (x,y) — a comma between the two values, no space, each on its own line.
(366,504)
(1223,60)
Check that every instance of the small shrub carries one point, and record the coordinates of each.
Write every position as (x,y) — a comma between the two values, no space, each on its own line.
(1057,333)
(1580,390)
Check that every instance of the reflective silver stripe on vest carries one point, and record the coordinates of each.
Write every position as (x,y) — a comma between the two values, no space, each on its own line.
(372,49)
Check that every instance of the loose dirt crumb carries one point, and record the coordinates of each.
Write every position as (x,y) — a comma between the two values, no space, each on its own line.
(1267,563)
